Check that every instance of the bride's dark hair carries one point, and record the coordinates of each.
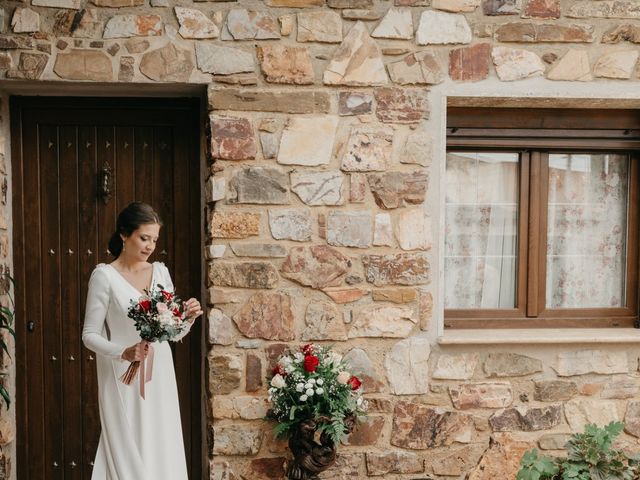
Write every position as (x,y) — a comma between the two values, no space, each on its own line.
(129,220)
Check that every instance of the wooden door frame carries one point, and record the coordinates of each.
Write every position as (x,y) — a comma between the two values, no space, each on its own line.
(196,101)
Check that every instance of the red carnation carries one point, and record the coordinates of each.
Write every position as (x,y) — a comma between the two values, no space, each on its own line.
(307,349)
(278,370)
(168,296)
(354,382)
(311,363)
(145,305)
(176,312)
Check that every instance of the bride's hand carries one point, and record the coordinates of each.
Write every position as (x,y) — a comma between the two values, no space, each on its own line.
(136,352)
(192,309)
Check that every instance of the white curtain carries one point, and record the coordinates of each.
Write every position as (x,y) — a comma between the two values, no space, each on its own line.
(481,230)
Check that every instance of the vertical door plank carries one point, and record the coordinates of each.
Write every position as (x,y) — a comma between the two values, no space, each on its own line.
(191,127)
(187,214)
(180,259)
(88,254)
(70,309)
(125,149)
(143,164)
(163,174)
(50,254)
(33,460)
(107,212)
(18,204)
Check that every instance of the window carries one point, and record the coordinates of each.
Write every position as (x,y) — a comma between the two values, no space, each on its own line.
(541,218)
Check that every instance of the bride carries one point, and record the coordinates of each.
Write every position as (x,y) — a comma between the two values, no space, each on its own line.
(141,438)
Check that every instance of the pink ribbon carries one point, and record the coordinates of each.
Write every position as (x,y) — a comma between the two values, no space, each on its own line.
(146,373)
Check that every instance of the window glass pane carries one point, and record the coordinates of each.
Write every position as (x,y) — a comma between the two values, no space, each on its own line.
(481,226)
(586,232)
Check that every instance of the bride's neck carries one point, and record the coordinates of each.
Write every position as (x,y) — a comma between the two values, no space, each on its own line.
(129,264)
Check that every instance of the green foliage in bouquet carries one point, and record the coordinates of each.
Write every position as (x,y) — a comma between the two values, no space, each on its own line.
(590,456)
(7,316)
(314,383)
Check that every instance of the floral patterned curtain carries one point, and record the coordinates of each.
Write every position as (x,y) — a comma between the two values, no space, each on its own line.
(586,230)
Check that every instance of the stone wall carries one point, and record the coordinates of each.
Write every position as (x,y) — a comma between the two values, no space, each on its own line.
(7,366)
(323,217)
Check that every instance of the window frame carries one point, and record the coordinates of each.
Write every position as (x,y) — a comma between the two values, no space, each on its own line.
(534,134)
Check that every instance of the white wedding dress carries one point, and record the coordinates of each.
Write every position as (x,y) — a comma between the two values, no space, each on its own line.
(141,439)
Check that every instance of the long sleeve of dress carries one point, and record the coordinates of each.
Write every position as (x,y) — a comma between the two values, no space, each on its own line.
(168,285)
(95,317)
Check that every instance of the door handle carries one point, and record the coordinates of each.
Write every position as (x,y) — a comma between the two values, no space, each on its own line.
(31,326)
(104,182)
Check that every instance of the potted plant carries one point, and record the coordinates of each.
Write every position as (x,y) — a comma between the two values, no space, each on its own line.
(315,402)
(590,456)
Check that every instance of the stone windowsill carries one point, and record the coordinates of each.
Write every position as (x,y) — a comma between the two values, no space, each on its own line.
(539,336)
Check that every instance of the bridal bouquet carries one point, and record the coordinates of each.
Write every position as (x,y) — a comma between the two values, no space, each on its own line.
(159,315)
(314,385)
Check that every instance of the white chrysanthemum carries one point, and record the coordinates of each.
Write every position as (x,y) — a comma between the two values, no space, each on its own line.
(312,381)
(320,391)
(300,387)
(320,381)
(303,398)
(309,392)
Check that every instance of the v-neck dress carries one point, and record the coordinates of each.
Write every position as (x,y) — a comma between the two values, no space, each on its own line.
(141,439)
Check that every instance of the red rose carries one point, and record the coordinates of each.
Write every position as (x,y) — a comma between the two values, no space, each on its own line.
(145,305)
(354,382)
(278,370)
(168,296)
(307,349)
(176,312)
(311,363)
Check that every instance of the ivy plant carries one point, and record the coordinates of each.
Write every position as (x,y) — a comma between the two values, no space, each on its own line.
(6,323)
(590,456)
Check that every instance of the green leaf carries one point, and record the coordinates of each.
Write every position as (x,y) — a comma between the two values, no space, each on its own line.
(5,395)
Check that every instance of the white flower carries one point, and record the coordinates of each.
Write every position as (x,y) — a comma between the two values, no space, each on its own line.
(359,401)
(161,307)
(165,318)
(278,381)
(309,392)
(343,377)
(303,398)
(320,381)
(308,385)
(289,368)
(320,391)
(335,358)
(300,387)
(312,381)
(298,357)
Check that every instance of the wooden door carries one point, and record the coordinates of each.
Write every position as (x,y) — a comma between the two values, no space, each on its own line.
(76,163)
